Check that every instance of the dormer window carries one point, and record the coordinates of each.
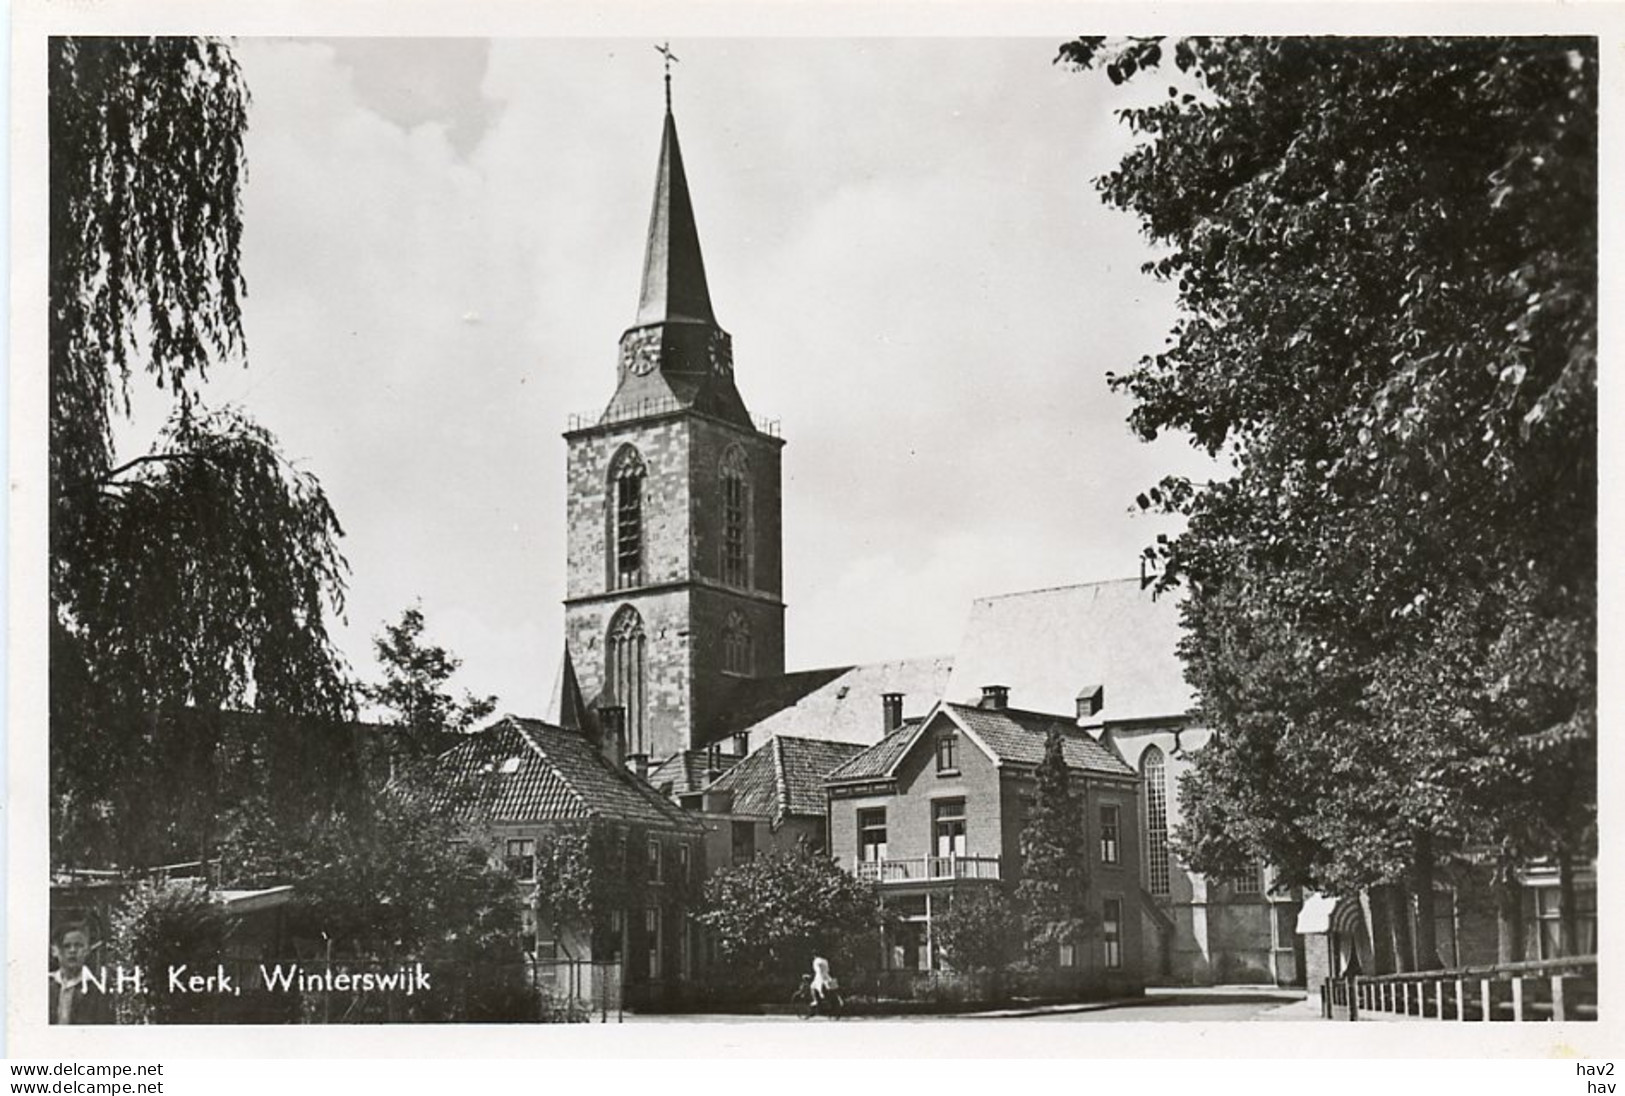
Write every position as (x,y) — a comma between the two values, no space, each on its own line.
(948,752)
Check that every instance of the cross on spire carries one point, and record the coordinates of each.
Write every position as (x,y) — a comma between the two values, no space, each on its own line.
(664,49)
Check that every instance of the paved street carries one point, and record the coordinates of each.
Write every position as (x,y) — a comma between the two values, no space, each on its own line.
(1204,1005)
(1198,1006)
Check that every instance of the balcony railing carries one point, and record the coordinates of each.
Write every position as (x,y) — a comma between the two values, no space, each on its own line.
(926,869)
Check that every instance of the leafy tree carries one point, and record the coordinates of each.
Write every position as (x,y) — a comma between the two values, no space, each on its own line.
(413,689)
(980,931)
(1053,891)
(166,924)
(199,574)
(407,879)
(1385,256)
(772,915)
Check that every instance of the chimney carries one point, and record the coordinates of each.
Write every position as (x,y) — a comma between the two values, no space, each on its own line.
(612,733)
(996,697)
(1090,700)
(713,763)
(891,707)
(639,764)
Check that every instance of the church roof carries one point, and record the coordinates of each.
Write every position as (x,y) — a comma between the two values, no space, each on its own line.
(524,770)
(674,288)
(1047,645)
(836,704)
(785,777)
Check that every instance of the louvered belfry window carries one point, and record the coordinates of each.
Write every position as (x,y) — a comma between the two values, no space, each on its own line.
(735,518)
(627,475)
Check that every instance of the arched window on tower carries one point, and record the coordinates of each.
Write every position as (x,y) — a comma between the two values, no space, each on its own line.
(626,477)
(735,518)
(626,675)
(737,656)
(1153,769)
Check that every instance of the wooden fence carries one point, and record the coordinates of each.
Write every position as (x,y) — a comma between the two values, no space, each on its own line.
(1551,989)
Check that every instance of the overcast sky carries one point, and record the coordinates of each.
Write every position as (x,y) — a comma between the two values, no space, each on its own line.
(443,243)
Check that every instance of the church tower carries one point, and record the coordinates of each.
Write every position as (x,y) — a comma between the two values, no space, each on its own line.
(674,591)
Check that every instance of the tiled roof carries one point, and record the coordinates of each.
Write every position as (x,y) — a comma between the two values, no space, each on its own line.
(877,761)
(686,771)
(529,771)
(785,777)
(1017,736)
(840,704)
(1047,645)
(803,765)
(754,784)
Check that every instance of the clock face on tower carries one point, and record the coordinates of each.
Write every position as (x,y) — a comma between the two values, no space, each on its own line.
(640,351)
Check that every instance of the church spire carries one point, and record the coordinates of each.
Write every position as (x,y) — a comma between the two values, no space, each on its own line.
(675,356)
(674,289)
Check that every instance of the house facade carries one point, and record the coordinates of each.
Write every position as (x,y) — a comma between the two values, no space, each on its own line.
(938,807)
(771,801)
(530,784)
(1110,652)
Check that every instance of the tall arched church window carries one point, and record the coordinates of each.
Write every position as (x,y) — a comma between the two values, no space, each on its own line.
(1153,769)
(737,656)
(626,541)
(735,518)
(627,675)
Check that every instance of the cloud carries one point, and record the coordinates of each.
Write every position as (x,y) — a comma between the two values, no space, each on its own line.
(443,246)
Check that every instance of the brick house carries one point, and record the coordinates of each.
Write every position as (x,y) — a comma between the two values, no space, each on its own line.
(938,806)
(1110,652)
(530,782)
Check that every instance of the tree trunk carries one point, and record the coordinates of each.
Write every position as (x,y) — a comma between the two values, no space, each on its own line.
(1398,917)
(1508,912)
(1568,927)
(1426,935)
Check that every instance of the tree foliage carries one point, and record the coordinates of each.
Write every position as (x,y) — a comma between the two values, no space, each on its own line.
(1053,891)
(162,925)
(405,878)
(199,574)
(774,914)
(981,930)
(1385,256)
(413,694)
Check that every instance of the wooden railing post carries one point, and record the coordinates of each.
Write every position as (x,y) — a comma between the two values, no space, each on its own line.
(1517,999)
(1438,999)
(1561,985)
(1354,994)
(1461,999)
(1486,999)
